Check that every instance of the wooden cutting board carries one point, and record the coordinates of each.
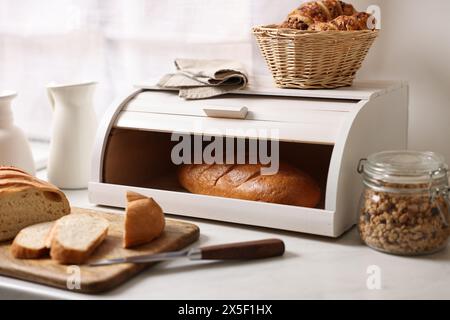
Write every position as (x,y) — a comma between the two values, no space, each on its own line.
(85,279)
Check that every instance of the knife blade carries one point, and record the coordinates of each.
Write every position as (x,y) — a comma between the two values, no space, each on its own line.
(232,251)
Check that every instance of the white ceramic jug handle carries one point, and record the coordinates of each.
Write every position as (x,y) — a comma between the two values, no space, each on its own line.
(51,98)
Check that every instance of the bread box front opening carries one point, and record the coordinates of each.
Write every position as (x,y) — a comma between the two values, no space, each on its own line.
(144,159)
(324,133)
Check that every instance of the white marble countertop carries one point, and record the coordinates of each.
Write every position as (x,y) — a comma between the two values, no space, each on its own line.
(312,268)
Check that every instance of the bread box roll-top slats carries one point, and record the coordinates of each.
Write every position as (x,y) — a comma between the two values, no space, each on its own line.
(321,132)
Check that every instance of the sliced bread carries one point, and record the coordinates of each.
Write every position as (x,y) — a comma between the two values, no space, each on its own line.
(76,236)
(25,201)
(30,243)
(144,220)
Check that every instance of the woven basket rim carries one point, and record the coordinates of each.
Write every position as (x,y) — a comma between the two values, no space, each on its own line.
(273,28)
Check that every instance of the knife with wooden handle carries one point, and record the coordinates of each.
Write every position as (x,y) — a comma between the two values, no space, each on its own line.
(233,251)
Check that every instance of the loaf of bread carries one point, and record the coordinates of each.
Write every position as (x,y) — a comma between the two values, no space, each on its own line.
(315,12)
(144,220)
(289,186)
(25,201)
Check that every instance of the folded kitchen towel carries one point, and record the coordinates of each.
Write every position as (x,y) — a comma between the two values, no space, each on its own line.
(200,79)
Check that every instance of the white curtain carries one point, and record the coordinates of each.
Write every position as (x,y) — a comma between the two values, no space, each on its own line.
(118,43)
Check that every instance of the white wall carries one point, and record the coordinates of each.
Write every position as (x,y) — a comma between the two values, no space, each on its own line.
(414,45)
(122,42)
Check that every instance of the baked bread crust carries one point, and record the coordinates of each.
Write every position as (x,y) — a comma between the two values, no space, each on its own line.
(30,242)
(358,21)
(144,220)
(347,9)
(26,200)
(289,186)
(310,13)
(328,15)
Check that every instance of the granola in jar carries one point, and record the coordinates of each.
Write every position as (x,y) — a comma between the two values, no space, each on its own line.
(404,207)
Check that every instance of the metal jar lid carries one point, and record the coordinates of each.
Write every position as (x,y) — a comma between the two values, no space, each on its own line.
(405,167)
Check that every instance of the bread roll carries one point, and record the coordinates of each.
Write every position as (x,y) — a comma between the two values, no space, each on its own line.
(25,201)
(289,186)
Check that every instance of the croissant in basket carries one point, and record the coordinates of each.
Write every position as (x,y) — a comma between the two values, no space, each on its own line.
(317,12)
(358,21)
(328,15)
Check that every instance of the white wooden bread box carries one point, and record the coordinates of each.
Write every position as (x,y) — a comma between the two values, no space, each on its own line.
(324,132)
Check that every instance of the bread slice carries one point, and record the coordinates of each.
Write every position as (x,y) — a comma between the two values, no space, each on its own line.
(30,242)
(144,220)
(76,236)
(49,238)
(25,201)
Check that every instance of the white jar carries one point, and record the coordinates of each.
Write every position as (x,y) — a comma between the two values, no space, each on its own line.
(14,148)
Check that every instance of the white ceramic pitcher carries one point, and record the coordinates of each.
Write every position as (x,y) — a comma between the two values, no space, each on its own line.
(73,133)
(14,148)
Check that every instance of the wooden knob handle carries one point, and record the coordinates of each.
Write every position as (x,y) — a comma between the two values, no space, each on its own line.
(244,250)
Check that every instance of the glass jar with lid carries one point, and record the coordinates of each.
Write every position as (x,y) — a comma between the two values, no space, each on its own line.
(404,208)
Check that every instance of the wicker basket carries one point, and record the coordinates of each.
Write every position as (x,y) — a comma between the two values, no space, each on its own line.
(311,59)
